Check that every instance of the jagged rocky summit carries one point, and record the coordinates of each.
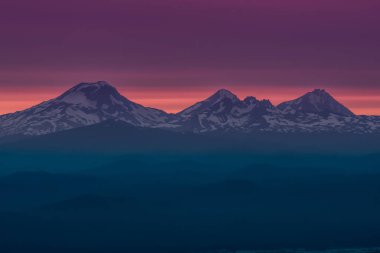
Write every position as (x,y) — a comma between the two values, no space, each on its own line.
(91,103)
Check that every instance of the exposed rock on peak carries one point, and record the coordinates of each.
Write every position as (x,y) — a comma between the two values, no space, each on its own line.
(317,101)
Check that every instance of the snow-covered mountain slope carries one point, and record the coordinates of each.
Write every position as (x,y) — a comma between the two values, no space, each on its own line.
(319,123)
(225,111)
(84,104)
(91,103)
(316,111)
(317,101)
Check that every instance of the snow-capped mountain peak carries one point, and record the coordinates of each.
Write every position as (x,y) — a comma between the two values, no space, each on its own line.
(92,95)
(317,101)
(219,99)
(222,94)
(102,86)
(250,100)
(82,105)
(224,110)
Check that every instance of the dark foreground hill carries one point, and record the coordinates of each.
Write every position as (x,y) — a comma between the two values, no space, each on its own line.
(201,204)
(113,187)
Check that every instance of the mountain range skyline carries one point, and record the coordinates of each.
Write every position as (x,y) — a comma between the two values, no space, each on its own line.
(153,99)
(87,104)
(221,90)
(175,100)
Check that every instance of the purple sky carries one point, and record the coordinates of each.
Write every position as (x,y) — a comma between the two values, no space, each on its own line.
(170,53)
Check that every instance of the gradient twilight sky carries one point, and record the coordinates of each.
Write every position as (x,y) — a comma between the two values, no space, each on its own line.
(169,54)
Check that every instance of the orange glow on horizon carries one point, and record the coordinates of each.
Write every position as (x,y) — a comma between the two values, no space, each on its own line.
(175,101)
